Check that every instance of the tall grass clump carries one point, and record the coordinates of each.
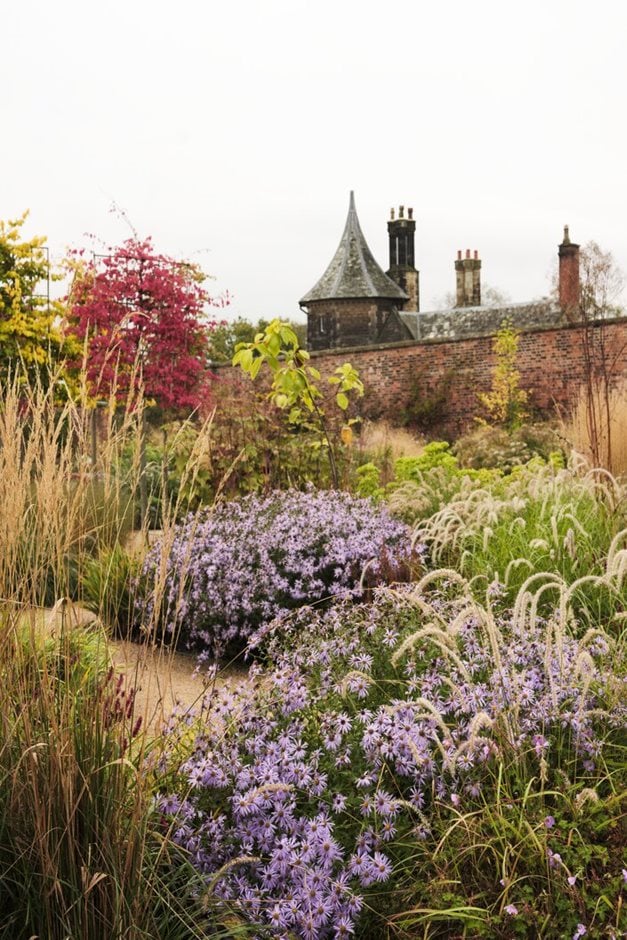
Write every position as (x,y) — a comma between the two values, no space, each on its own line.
(82,854)
(412,767)
(596,426)
(538,521)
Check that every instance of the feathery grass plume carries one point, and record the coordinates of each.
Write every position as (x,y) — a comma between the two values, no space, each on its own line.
(82,853)
(614,552)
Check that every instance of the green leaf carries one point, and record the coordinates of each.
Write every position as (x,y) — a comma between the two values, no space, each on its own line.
(243,358)
(274,345)
(342,400)
(255,367)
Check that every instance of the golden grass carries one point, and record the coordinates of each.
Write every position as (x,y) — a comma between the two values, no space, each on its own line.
(381,438)
(78,852)
(611,448)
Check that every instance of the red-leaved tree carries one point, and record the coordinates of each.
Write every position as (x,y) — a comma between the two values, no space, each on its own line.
(142,318)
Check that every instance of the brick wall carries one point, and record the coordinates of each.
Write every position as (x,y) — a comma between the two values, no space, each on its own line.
(551,363)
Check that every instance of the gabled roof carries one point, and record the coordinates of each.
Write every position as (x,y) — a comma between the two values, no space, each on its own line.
(353,272)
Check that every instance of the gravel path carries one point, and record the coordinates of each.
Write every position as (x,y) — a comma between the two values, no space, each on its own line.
(162,678)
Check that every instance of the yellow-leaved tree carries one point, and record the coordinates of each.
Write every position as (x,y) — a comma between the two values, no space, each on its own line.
(505,402)
(31,341)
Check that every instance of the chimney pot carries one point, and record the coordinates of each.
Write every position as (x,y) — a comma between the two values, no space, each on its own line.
(410,213)
(468,252)
(392,214)
(401,212)
(476,254)
(459,254)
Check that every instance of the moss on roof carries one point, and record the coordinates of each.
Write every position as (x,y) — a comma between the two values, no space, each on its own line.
(353,271)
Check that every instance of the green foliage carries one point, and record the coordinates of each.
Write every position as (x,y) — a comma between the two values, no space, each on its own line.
(505,402)
(226,337)
(435,454)
(294,383)
(107,588)
(54,645)
(368,483)
(427,401)
(497,448)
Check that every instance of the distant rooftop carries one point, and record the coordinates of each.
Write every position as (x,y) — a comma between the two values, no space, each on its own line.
(466,322)
(353,271)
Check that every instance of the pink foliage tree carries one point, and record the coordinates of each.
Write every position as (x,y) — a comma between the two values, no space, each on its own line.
(141,316)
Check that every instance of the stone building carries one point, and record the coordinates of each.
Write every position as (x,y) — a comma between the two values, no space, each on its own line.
(354,300)
(355,303)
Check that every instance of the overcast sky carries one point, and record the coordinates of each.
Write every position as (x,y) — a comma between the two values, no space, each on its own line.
(232,132)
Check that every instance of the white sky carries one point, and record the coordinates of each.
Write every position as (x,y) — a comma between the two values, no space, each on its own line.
(232,132)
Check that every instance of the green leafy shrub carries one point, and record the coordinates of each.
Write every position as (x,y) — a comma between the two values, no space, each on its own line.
(435,454)
(53,645)
(496,448)
(368,481)
(108,588)
(294,387)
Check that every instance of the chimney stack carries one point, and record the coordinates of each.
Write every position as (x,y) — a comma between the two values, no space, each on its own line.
(468,280)
(569,289)
(401,232)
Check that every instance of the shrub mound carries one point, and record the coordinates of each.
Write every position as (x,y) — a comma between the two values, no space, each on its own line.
(356,787)
(494,447)
(232,570)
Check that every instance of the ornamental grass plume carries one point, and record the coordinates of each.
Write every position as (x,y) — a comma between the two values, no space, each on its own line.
(82,854)
(540,520)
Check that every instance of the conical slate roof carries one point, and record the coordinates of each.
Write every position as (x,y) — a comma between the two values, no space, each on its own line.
(353,272)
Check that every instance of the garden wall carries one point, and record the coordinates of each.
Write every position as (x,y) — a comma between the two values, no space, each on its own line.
(551,363)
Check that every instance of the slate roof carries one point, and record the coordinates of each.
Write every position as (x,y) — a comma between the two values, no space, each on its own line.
(467,322)
(353,272)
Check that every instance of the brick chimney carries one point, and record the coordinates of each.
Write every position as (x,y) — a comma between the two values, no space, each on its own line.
(569,289)
(468,280)
(402,268)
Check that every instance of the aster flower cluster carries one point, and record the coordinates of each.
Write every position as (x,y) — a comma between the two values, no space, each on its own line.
(308,789)
(235,568)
